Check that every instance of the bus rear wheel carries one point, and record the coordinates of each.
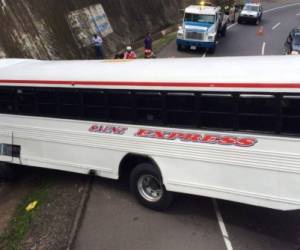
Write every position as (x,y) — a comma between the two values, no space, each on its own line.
(147,187)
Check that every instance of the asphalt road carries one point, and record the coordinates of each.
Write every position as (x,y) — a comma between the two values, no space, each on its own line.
(113,220)
(245,40)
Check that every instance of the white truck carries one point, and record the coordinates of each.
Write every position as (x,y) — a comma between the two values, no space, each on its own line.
(200,28)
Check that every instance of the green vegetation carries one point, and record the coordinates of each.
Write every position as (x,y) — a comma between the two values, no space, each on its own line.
(21,221)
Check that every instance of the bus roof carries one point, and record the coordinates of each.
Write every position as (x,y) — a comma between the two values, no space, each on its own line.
(268,73)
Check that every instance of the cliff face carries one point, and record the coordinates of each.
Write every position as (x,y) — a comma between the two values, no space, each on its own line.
(62,29)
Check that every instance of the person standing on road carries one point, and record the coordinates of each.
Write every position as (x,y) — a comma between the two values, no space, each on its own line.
(97,42)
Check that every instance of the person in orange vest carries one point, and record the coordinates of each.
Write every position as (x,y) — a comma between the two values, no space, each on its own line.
(129,54)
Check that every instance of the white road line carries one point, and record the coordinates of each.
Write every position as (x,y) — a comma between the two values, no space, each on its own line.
(231,26)
(222,226)
(276,26)
(263,48)
(281,7)
(298,14)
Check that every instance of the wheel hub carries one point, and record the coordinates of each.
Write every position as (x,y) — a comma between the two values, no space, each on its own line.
(150,188)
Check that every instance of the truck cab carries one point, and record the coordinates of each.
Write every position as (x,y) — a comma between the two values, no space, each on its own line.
(251,13)
(200,28)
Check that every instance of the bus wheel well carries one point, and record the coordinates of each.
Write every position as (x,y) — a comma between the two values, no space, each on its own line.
(130,161)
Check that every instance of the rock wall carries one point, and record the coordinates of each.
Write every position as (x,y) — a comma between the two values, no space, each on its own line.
(43,29)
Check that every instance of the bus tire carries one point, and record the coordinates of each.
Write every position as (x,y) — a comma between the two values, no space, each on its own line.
(7,172)
(179,47)
(147,186)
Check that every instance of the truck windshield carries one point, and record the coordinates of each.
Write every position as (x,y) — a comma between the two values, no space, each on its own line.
(251,8)
(189,17)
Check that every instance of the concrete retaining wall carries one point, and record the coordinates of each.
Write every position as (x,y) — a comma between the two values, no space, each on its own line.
(62,29)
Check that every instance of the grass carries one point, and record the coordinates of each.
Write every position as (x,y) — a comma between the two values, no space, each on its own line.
(158,44)
(20,223)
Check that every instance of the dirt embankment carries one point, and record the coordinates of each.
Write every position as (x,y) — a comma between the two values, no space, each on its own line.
(62,29)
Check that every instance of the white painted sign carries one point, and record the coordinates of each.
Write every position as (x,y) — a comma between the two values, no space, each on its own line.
(88,21)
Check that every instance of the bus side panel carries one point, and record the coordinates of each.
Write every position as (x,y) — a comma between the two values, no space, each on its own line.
(68,155)
(254,186)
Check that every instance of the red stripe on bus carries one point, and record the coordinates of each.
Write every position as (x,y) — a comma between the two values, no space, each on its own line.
(158,84)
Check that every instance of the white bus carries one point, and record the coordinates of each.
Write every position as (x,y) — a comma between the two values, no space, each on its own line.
(227,128)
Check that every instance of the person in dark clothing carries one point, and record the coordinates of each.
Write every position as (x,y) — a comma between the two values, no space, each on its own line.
(148,46)
(148,41)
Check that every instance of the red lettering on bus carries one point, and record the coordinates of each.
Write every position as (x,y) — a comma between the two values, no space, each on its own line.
(174,136)
(227,140)
(210,139)
(93,128)
(159,134)
(191,137)
(195,137)
(143,133)
(246,142)
(119,130)
(107,129)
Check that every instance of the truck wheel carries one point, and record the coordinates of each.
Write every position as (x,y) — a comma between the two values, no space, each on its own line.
(212,50)
(179,47)
(147,187)
(7,172)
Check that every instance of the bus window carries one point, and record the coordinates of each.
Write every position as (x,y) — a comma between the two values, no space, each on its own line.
(290,114)
(291,125)
(217,102)
(121,106)
(47,102)
(26,101)
(290,105)
(95,105)
(70,103)
(216,111)
(180,101)
(180,109)
(217,121)
(257,104)
(149,100)
(149,107)
(257,112)
(7,98)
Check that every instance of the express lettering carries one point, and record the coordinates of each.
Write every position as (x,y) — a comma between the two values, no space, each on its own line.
(196,137)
